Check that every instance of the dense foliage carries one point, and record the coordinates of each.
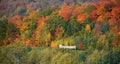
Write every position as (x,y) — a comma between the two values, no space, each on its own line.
(32,34)
(28,55)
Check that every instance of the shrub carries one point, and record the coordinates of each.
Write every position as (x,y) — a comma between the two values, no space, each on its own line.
(12,54)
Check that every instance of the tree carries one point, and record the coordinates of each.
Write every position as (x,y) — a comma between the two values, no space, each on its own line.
(94,15)
(65,12)
(112,22)
(73,27)
(108,15)
(41,21)
(55,25)
(53,22)
(76,10)
(81,18)
(32,15)
(115,0)
(105,27)
(88,28)
(47,11)
(27,30)
(115,43)
(115,12)
(3,30)
(89,8)
(42,37)
(11,33)
(58,33)
(16,20)
(90,22)
(53,44)
(100,18)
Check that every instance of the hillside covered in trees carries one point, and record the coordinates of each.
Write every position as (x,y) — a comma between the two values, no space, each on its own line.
(23,7)
(32,30)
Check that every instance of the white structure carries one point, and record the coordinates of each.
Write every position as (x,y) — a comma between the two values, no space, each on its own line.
(67,47)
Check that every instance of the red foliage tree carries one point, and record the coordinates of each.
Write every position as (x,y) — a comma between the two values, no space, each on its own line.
(94,15)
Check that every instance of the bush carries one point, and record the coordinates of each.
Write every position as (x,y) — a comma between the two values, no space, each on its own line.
(12,54)
(112,57)
(97,57)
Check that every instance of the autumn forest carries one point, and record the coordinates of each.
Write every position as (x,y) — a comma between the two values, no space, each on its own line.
(32,30)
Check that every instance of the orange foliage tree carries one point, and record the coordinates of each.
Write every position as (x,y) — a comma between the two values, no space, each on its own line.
(41,21)
(81,18)
(41,35)
(116,17)
(116,12)
(103,10)
(17,20)
(112,22)
(108,15)
(65,12)
(53,44)
(27,42)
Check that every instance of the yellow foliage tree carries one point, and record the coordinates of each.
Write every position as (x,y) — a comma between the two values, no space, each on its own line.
(32,14)
(53,44)
(88,28)
(23,27)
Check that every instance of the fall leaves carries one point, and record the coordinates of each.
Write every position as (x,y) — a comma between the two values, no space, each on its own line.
(81,18)
(105,14)
(65,12)
(44,28)
(87,28)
